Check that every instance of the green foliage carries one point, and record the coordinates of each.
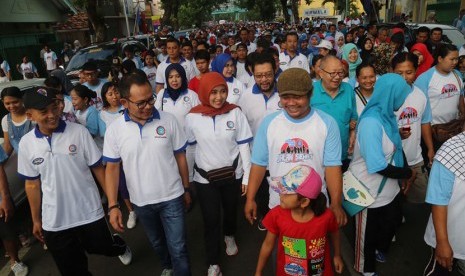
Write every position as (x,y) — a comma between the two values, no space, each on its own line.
(264,10)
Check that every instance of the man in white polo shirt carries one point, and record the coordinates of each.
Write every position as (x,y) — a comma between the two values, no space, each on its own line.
(297,135)
(258,101)
(151,145)
(291,58)
(57,160)
(174,56)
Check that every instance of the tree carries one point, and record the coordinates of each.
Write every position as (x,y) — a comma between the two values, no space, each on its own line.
(263,10)
(195,12)
(95,18)
(294,5)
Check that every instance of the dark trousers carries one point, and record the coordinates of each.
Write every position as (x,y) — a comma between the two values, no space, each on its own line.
(263,196)
(375,228)
(68,247)
(211,198)
(433,268)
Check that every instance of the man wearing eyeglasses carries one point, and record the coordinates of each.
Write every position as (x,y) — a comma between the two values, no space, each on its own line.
(337,98)
(258,101)
(151,146)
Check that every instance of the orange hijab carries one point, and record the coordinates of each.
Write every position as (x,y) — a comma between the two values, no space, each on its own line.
(207,83)
(427,58)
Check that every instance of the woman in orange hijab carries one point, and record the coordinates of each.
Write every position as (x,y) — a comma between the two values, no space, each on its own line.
(218,135)
(425,59)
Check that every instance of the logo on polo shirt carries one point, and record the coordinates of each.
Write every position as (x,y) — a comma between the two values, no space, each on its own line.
(294,150)
(282,63)
(161,130)
(72,149)
(230,125)
(280,105)
(236,91)
(186,99)
(165,101)
(300,62)
(38,161)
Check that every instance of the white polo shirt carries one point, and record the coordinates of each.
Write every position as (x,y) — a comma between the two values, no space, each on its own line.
(70,197)
(186,101)
(217,141)
(298,61)
(247,80)
(255,106)
(412,113)
(187,65)
(240,69)
(235,89)
(283,143)
(151,73)
(147,153)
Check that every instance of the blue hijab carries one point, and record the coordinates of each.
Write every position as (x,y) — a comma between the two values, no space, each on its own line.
(313,49)
(389,94)
(174,93)
(219,63)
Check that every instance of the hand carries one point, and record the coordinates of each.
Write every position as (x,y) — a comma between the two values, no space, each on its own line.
(116,220)
(244,189)
(250,210)
(352,125)
(6,208)
(338,264)
(430,157)
(37,231)
(187,200)
(404,134)
(444,255)
(405,186)
(351,143)
(339,213)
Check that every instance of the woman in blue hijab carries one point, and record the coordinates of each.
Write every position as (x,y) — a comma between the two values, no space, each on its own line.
(378,161)
(176,98)
(224,65)
(351,55)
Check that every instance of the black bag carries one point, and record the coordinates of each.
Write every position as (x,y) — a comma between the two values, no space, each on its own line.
(221,176)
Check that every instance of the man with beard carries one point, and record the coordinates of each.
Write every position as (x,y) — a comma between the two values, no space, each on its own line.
(258,101)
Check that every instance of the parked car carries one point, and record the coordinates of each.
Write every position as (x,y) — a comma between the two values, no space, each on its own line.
(102,54)
(15,183)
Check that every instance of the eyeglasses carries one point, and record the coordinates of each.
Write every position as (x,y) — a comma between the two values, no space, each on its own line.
(341,74)
(143,104)
(266,76)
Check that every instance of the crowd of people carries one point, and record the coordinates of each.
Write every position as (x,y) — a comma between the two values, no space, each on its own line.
(234,111)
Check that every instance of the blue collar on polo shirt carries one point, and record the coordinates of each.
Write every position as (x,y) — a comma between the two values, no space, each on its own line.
(291,58)
(155,115)
(182,93)
(60,129)
(181,59)
(256,90)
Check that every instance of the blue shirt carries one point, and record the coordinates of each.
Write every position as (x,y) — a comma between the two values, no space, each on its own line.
(440,185)
(342,108)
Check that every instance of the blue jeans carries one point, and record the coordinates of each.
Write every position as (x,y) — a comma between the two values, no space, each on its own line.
(165,227)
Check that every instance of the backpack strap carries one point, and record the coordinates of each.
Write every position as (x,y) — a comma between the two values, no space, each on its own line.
(360,95)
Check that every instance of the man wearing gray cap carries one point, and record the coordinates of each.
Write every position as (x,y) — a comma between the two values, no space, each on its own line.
(296,135)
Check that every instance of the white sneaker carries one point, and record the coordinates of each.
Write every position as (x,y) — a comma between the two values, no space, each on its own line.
(167,272)
(231,247)
(132,220)
(214,270)
(126,258)
(20,269)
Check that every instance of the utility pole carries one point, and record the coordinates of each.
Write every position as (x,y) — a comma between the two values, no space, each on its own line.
(126,10)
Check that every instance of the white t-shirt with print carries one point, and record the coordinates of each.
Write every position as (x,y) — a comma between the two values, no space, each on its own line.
(235,89)
(412,113)
(180,108)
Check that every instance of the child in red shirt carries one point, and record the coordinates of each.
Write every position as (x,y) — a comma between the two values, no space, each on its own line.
(302,225)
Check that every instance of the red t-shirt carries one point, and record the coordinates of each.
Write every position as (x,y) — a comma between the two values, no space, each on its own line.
(194,84)
(303,247)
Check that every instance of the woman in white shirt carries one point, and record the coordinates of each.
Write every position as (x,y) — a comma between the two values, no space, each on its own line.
(224,65)
(219,134)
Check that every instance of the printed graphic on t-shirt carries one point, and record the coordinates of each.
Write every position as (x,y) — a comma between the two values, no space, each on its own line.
(294,150)
(408,116)
(303,259)
(151,76)
(295,256)
(449,90)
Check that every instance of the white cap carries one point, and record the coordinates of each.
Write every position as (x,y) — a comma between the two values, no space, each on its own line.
(325,44)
